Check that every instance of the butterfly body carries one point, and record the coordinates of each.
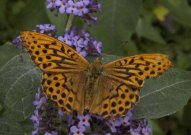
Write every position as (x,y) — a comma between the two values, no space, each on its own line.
(75,85)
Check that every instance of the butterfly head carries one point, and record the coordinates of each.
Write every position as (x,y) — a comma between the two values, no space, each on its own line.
(95,68)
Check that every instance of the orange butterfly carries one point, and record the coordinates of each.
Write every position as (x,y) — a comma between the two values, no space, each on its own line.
(74,84)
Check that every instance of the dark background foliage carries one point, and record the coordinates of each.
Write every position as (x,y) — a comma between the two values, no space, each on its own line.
(126,28)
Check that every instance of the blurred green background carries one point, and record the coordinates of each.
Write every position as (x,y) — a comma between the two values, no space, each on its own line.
(133,27)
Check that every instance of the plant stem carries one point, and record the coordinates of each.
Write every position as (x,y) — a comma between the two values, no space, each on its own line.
(69,23)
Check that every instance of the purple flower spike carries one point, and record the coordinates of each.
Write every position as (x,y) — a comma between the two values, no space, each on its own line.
(36,129)
(35,132)
(36,118)
(98,46)
(126,121)
(82,8)
(77,130)
(38,94)
(17,42)
(39,99)
(41,28)
(39,103)
(140,127)
(82,42)
(113,124)
(48,29)
(51,133)
(84,120)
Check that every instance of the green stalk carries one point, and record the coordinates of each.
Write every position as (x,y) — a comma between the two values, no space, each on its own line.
(69,23)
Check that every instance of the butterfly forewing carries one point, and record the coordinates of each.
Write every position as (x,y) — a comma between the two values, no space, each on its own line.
(52,55)
(133,70)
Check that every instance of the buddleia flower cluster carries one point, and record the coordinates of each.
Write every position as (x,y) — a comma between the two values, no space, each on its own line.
(82,8)
(82,42)
(44,117)
(49,120)
(78,39)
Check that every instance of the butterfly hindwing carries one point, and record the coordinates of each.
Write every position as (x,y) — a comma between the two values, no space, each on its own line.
(62,89)
(114,98)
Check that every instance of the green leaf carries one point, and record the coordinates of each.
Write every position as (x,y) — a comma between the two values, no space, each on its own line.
(130,48)
(165,95)
(116,23)
(59,21)
(2,12)
(187,117)
(146,30)
(7,51)
(156,128)
(180,10)
(108,58)
(32,14)
(8,127)
(19,81)
(27,126)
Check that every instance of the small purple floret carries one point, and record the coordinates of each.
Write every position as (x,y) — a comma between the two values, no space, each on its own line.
(77,130)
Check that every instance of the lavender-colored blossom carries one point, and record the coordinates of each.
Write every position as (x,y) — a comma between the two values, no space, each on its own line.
(36,118)
(38,94)
(72,8)
(41,28)
(66,39)
(51,4)
(35,132)
(113,124)
(45,27)
(36,129)
(82,42)
(17,41)
(51,133)
(84,120)
(44,115)
(139,127)
(48,29)
(126,121)
(70,120)
(98,46)
(77,130)
(60,113)
(39,99)
(62,5)
(38,103)
(82,8)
